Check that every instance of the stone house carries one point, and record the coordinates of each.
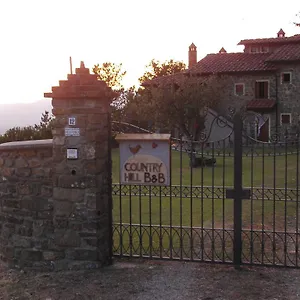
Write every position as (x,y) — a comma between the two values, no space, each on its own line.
(264,78)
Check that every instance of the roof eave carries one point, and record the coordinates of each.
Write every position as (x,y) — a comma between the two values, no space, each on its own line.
(232,72)
(284,61)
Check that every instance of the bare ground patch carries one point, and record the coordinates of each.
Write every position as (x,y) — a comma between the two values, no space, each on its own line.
(148,279)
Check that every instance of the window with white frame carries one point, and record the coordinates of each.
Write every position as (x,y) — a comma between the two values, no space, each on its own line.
(254,49)
(239,89)
(285,118)
(264,49)
(286,77)
(262,89)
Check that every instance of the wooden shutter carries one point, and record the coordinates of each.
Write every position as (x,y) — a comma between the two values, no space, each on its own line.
(266,89)
(256,90)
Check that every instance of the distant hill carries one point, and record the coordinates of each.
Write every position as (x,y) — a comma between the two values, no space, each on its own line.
(22,114)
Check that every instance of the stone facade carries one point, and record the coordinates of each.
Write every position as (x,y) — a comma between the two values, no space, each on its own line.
(56,210)
(287,96)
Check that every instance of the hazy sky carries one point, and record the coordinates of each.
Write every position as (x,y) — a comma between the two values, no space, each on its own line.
(37,37)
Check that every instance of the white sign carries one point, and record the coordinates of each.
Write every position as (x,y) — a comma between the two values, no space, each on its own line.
(72,132)
(72,121)
(72,153)
(144,169)
(144,159)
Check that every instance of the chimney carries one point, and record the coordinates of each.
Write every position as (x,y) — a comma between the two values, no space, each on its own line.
(281,34)
(192,55)
(222,50)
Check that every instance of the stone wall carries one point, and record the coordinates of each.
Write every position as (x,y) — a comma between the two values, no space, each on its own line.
(26,204)
(56,208)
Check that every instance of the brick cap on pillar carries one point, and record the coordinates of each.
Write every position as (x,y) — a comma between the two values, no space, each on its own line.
(81,85)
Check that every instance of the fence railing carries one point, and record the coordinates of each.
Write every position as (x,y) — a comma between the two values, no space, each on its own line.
(205,192)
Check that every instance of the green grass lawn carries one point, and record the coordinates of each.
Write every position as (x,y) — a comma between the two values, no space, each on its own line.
(184,217)
(270,171)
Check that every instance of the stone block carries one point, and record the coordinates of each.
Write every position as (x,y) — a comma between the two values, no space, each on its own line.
(76,225)
(46,191)
(91,241)
(74,142)
(67,238)
(41,244)
(34,163)
(60,265)
(99,118)
(23,172)
(13,220)
(34,203)
(44,153)
(59,140)
(8,163)
(82,254)
(25,229)
(21,163)
(62,208)
(38,173)
(71,194)
(88,151)
(21,241)
(41,266)
(23,189)
(28,153)
(7,172)
(31,255)
(42,228)
(11,203)
(60,223)
(90,198)
(7,252)
(53,255)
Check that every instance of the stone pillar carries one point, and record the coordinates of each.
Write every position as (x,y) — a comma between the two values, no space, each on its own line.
(82,200)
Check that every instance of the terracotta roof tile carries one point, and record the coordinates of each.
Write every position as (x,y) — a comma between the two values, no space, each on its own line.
(232,62)
(289,52)
(294,38)
(261,104)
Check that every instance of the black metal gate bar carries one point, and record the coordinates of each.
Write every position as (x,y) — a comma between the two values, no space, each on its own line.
(251,204)
(274,206)
(191,201)
(223,204)
(180,210)
(263,206)
(297,204)
(213,206)
(238,189)
(285,204)
(202,204)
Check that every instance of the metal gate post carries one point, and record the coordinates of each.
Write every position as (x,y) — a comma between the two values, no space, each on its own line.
(238,189)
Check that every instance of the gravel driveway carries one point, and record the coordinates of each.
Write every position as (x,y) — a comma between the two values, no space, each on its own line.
(145,279)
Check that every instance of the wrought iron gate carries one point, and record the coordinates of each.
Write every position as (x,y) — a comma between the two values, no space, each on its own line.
(232,201)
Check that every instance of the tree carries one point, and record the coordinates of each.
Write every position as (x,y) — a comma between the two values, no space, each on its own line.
(44,129)
(111,73)
(181,102)
(37,132)
(157,69)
